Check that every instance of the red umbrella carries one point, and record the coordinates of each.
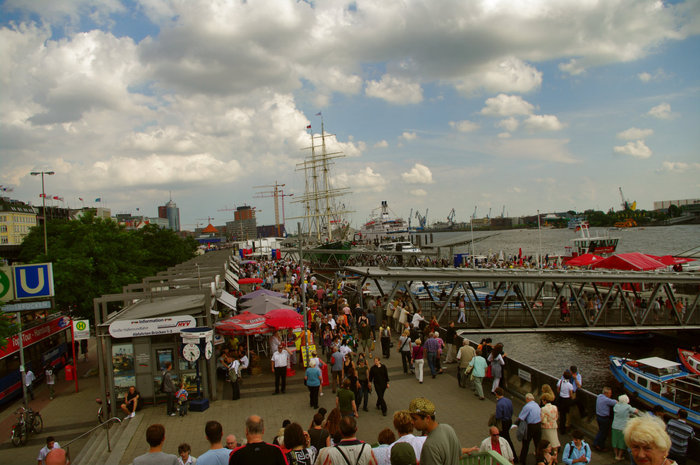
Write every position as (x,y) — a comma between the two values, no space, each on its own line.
(250,281)
(244,324)
(283,318)
(584,260)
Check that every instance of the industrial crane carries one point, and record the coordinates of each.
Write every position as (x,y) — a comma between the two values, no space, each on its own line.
(503,212)
(422,220)
(626,204)
(451,217)
(276,193)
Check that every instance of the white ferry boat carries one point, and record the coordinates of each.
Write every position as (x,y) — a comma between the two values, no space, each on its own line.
(383,223)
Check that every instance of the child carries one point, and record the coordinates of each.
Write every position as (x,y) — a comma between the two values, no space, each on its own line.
(183,450)
(181,396)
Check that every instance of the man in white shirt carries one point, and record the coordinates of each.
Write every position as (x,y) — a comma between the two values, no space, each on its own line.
(28,380)
(497,444)
(417,318)
(280,362)
(51,444)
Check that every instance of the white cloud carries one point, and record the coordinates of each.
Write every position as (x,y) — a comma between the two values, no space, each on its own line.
(504,135)
(381,144)
(572,67)
(662,111)
(635,133)
(409,135)
(508,75)
(678,166)
(419,192)
(364,180)
(419,174)
(395,90)
(543,123)
(554,150)
(464,126)
(509,124)
(658,75)
(637,149)
(506,105)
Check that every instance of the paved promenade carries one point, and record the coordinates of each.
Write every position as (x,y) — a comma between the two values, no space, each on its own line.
(70,413)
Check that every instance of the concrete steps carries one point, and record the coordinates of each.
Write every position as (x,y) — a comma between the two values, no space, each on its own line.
(96,451)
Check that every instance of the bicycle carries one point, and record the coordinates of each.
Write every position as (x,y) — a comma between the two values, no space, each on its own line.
(28,422)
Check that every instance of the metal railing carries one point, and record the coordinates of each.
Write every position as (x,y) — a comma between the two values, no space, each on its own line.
(104,424)
(488,457)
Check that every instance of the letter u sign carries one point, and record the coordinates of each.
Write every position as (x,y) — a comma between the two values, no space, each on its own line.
(32,281)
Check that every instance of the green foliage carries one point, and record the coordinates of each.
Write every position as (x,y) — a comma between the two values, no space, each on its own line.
(674,211)
(641,217)
(7,327)
(93,256)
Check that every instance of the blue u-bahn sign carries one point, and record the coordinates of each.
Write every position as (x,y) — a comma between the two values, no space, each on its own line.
(32,281)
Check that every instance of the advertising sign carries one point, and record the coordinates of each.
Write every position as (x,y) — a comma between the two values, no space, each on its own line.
(151,326)
(35,334)
(32,281)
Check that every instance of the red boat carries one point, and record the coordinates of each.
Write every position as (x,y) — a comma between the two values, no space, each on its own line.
(690,360)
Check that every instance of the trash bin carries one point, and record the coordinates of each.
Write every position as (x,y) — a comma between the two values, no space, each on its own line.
(70,374)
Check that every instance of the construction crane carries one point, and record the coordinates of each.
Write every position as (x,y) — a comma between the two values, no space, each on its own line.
(503,212)
(208,219)
(626,204)
(422,220)
(227,209)
(489,215)
(275,193)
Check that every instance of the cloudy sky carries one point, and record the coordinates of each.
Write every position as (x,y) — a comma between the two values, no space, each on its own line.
(527,104)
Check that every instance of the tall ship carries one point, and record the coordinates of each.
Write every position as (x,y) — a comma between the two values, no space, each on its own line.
(324,220)
(383,223)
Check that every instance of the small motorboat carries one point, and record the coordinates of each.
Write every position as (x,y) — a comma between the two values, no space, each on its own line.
(690,360)
(656,381)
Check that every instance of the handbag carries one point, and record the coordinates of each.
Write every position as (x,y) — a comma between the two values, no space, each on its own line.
(489,374)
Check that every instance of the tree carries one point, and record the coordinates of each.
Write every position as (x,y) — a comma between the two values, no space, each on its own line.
(93,256)
(7,327)
(674,211)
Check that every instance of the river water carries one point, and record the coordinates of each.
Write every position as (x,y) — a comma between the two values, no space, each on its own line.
(555,352)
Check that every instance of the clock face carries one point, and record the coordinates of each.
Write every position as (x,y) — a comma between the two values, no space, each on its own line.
(190,352)
(208,350)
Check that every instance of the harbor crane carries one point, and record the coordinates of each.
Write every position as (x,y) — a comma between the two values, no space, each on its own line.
(410,215)
(626,204)
(422,219)
(503,212)
(489,215)
(451,217)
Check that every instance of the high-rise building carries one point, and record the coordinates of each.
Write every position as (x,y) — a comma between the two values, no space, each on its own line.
(244,226)
(172,213)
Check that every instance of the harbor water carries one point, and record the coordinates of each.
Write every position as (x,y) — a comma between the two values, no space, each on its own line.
(555,352)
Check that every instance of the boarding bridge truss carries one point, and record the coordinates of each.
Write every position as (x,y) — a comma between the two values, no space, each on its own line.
(529,300)
(332,260)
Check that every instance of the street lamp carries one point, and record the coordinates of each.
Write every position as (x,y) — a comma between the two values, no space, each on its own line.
(43,204)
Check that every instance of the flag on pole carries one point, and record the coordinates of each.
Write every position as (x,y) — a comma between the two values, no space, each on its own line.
(318,114)
(55,197)
(98,199)
(42,195)
(80,198)
(308,127)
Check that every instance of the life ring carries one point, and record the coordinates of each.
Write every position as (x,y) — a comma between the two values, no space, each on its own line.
(633,363)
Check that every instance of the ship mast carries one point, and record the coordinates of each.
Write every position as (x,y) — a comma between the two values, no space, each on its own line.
(321,211)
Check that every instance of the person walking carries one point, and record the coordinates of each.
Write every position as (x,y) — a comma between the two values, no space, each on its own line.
(379,375)
(450,340)
(621,415)
(465,354)
(336,367)
(565,390)
(478,364)
(550,415)
(405,350)
(417,359)
(168,388)
(365,335)
(313,380)
(532,415)
(234,375)
(603,404)
(50,378)
(280,362)
(432,346)
(363,378)
(497,362)
(29,382)
(504,418)
(385,339)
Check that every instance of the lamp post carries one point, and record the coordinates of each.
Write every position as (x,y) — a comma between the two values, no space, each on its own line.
(43,204)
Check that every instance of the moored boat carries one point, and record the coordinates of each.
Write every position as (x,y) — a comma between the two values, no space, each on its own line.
(383,223)
(598,245)
(621,336)
(656,381)
(690,360)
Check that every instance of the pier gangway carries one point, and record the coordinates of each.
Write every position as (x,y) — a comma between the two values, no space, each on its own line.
(525,300)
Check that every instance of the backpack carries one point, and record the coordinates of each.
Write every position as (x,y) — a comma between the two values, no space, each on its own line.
(572,446)
(233,375)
